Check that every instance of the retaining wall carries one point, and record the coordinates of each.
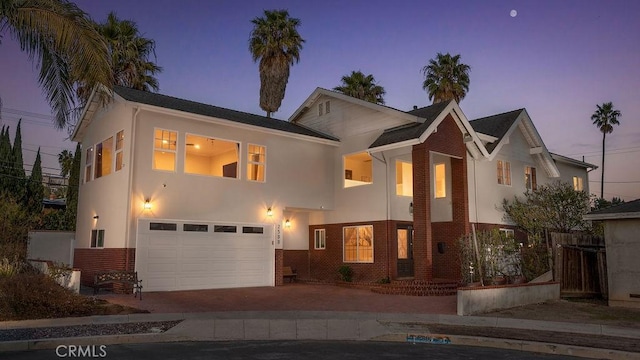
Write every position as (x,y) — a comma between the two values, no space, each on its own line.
(476,300)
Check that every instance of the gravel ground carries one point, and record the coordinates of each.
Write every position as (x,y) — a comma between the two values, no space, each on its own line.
(86,330)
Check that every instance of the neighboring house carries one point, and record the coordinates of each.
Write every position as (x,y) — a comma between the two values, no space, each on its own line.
(622,242)
(195,196)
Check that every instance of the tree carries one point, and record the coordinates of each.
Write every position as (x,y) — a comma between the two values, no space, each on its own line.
(65,45)
(65,159)
(35,189)
(556,207)
(361,86)
(6,161)
(274,41)
(72,190)
(446,78)
(130,55)
(604,118)
(17,175)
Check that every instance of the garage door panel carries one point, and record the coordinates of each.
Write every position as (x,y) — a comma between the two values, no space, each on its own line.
(183,260)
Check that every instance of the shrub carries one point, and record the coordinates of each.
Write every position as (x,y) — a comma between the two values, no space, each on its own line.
(346,273)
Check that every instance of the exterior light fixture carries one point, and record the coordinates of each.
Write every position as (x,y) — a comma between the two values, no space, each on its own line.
(269,212)
(411,208)
(287,223)
(147,204)
(96,217)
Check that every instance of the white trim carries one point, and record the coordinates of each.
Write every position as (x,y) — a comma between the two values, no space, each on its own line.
(264,164)
(153,150)
(612,216)
(485,137)
(323,244)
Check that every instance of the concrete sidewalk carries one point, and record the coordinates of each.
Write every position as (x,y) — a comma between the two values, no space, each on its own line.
(325,325)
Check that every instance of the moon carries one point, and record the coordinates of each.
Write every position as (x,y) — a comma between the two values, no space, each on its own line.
(513,13)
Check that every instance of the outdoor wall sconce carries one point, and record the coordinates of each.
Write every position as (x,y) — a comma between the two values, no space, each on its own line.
(411,208)
(96,217)
(269,212)
(287,223)
(147,204)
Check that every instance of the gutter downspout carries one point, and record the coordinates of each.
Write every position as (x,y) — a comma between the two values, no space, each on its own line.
(129,214)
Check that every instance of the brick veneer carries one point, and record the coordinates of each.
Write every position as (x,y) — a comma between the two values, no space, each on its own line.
(298,260)
(90,261)
(279,265)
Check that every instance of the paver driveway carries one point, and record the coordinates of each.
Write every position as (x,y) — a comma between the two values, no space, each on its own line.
(296,296)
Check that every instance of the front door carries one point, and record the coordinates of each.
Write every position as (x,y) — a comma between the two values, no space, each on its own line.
(405,250)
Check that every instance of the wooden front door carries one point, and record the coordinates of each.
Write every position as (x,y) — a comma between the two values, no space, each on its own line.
(404,235)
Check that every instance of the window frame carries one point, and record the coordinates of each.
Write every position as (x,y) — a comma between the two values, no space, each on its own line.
(251,162)
(88,165)
(399,163)
(96,240)
(119,150)
(435,181)
(327,107)
(320,109)
(530,181)
(175,151)
(100,155)
(579,185)
(504,172)
(357,261)
(346,171)
(319,242)
(238,162)
(508,232)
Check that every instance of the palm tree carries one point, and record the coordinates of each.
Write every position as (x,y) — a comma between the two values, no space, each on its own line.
(65,159)
(130,56)
(604,118)
(65,45)
(446,78)
(275,41)
(362,87)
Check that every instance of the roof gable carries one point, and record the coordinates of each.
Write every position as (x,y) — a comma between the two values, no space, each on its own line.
(496,125)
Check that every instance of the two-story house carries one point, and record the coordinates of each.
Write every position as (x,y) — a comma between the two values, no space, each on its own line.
(194,196)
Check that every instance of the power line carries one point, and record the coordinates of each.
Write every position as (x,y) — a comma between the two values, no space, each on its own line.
(610,151)
(616,182)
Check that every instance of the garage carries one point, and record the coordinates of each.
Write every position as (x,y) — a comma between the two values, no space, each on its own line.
(190,255)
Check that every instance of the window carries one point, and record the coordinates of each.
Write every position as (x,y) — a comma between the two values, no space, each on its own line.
(211,157)
(252,230)
(163,226)
(320,109)
(508,233)
(195,227)
(97,238)
(119,147)
(88,165)
(327,107)
(404,178)
(577,183)
(256,162)
(440,182)
(164,154)
(358,244)
(530,178)
(104,158)
(357,170)
(504,172)
(319,239)
(225,229)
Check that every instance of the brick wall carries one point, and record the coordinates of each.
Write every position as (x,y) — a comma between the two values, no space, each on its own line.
(90,261)
(298,260)
(324,263)
(517,233)
(279,265)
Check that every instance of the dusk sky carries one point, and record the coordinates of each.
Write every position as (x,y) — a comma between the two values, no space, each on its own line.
(557,59)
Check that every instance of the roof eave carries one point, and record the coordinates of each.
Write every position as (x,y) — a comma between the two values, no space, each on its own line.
(612,216)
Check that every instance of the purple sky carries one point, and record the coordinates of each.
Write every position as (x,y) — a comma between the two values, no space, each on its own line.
(557,59)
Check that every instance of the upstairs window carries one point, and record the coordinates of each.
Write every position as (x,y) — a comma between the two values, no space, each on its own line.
(104,158)
(530,178)
(164,154)
(119,148)
(256,162)
(320,107)
(212,157)
(327,107)
(88,170)
(440,181)
(358,170)
(504,172)
(404,178)
(577,183)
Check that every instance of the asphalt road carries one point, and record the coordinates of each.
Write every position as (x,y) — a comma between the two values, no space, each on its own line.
(274,350)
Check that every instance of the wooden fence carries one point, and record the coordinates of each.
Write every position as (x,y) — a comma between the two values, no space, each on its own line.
(580,265)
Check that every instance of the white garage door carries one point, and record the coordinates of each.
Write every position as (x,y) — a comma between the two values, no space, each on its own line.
(190,255)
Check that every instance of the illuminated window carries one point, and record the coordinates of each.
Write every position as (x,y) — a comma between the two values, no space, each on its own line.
(440,181)
(164,154)
(104,158)
(319,239)
(358,244)
(577,183)
(119,148)
(504,172)
(212,157)
(256,162)
(88,165)
(357,170)
(530,178)
(404,178)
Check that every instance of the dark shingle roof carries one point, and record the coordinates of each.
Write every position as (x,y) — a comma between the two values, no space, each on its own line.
(495,125)
(628,207)
(413,130)
(193,107)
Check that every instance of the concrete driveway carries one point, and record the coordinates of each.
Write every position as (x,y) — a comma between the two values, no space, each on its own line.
(294,296)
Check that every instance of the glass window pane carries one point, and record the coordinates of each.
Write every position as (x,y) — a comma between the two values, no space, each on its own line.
(211,157)
(358,170)
(403,244)
(440,181)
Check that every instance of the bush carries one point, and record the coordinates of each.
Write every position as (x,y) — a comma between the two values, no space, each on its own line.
(37,296)
(346,273)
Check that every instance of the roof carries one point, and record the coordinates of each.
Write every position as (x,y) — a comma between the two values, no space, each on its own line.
(628,210)
(496,126)
(411,131)
(568,160)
